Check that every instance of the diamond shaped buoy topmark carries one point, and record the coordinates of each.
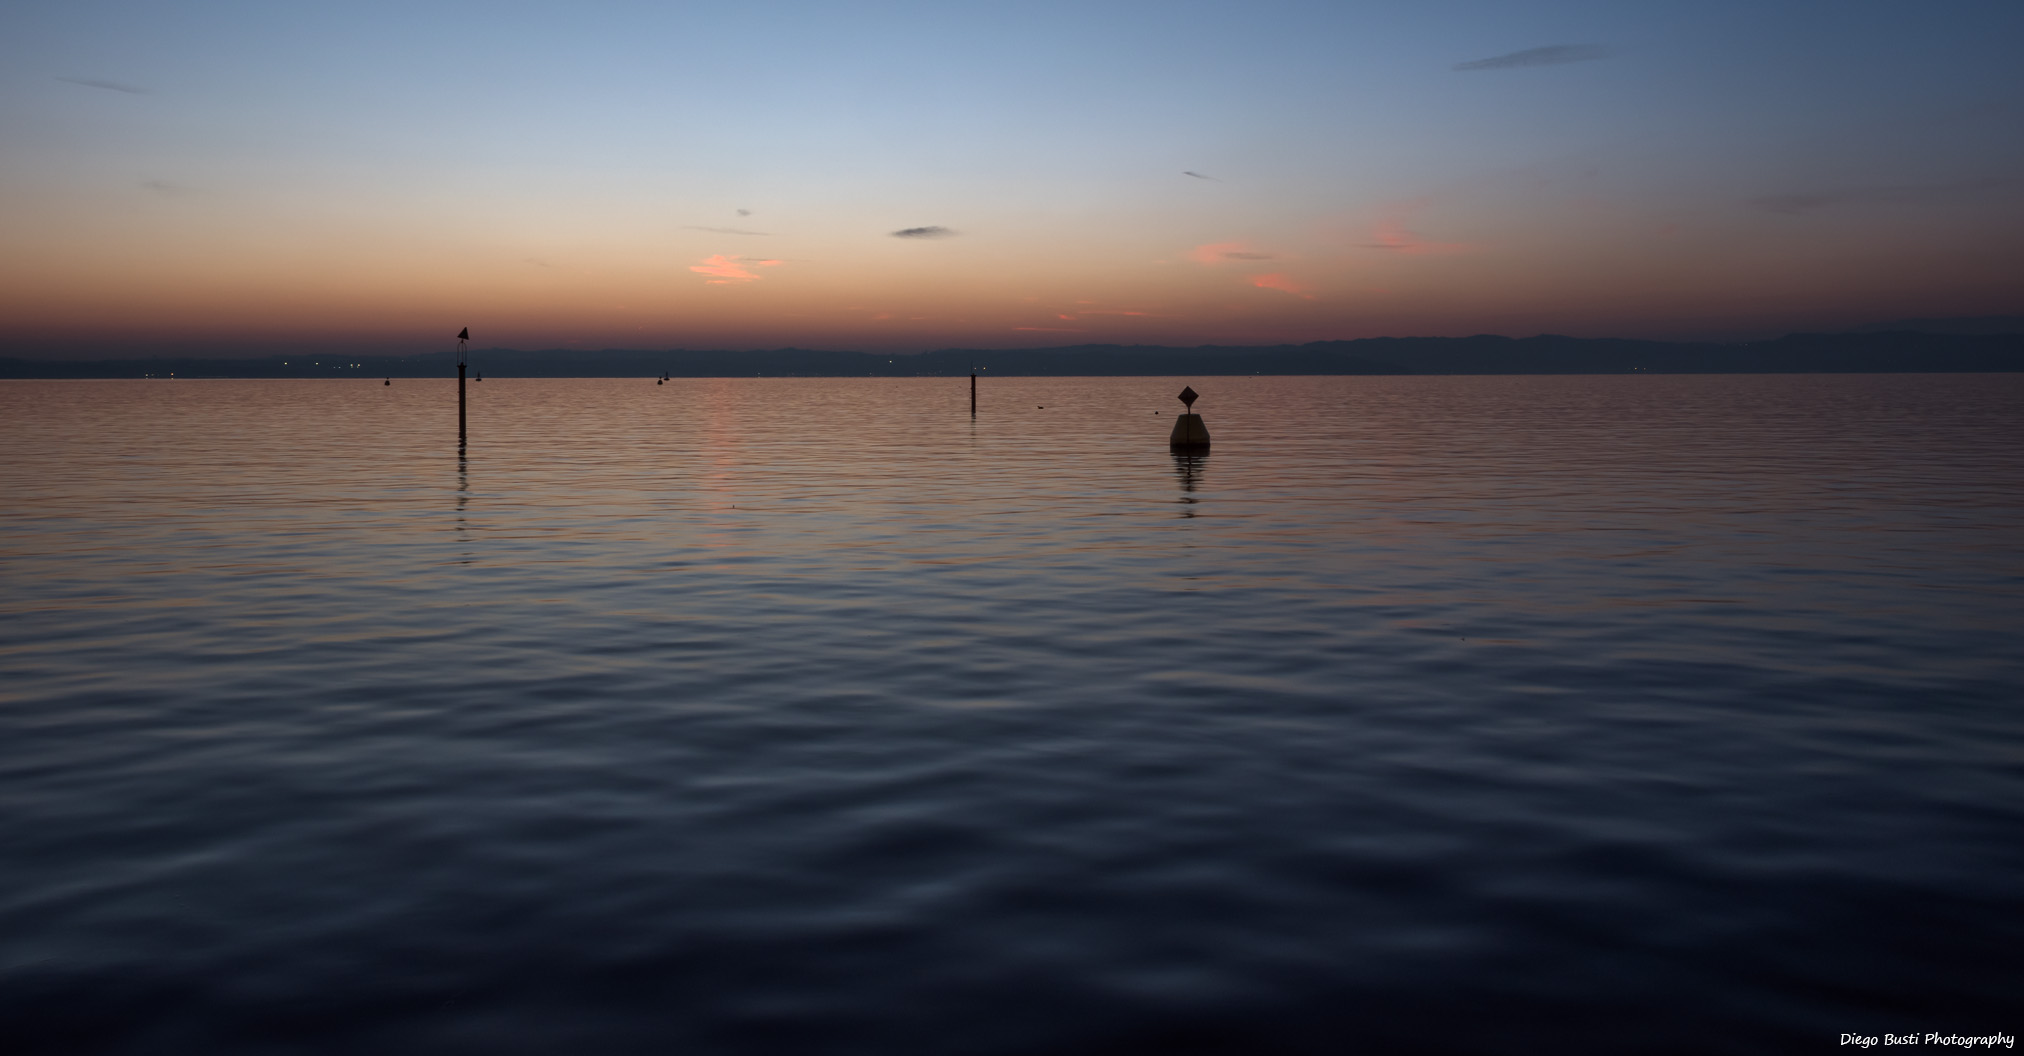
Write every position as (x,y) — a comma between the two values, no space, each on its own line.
(1189,432)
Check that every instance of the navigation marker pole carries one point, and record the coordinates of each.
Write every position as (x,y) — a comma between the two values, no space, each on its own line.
(973,394)
(463,350)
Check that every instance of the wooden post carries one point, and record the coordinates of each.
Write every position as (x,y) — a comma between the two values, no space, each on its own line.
(973,394)
(463,353)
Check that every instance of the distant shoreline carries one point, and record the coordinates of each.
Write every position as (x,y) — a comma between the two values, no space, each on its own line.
(1889,352)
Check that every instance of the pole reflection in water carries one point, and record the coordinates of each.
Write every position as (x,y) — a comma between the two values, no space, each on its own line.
(1190,468)
(463,498)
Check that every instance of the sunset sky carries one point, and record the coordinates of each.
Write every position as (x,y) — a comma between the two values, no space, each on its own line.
(256,177)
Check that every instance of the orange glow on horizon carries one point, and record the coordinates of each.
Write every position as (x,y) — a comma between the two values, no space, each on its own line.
(131,292)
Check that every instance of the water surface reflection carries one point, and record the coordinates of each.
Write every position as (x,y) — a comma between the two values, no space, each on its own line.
(1616,714)
(1189,467)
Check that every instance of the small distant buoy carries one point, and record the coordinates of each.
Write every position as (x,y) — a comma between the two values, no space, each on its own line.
(390,381)
(660,381)
(1189,433)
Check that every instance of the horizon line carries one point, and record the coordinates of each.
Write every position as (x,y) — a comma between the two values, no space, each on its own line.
(2012,326)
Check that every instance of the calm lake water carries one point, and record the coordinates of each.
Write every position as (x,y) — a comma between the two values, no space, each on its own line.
(730,716)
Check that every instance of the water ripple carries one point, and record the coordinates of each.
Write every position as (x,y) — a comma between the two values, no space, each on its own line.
(1429,714)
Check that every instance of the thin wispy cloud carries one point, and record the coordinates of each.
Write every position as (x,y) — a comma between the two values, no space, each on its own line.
(1551,55)
(1244,258)
(931,231)
(1222,252)
(1281,282)
(166,188)
(1085,309)
(1392,234)
(110,86)
(1796,202)
(731,270)
(744,212)
(1199,176)
(724,230)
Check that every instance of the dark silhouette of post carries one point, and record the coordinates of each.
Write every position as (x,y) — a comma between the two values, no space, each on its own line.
(463,339)
(1189,433)
(973,394)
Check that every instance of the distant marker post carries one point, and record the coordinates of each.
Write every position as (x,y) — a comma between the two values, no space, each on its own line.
(973,394)
(463,354)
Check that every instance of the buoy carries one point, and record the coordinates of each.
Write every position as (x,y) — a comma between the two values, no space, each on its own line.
(1189,433)
(390,381)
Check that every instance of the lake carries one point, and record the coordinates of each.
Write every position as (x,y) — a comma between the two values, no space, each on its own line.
(1421,714)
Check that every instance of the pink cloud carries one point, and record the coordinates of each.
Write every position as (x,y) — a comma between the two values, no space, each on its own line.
(1224,253)
(731,270)
(1279,281)
(1080,314)
(1392,234)
(1242,254)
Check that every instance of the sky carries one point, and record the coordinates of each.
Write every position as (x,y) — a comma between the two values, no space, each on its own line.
(249,178)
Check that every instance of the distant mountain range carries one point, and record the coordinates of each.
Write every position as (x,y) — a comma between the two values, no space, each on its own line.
(1979,324)
(1871,350)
